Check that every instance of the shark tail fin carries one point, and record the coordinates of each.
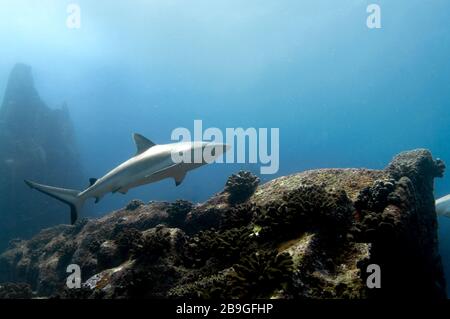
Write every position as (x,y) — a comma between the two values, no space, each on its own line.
(68,196)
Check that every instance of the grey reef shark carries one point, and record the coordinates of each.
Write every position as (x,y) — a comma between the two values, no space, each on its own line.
(150,164)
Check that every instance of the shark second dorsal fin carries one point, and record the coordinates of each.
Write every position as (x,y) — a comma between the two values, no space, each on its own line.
(142,143)
(92,181)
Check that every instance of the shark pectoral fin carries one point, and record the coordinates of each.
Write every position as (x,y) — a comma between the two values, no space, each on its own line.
(142,143)
(179,178)
(166,172)
(170,171)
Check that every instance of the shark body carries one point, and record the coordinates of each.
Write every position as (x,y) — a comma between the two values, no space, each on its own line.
(151,163)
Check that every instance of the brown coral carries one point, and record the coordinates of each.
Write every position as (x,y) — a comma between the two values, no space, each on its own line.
(241,186)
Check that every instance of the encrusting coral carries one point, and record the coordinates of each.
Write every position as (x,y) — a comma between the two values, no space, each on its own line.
(153,245)
(178,211)
(15,291)
(134,204)
(305,208)
(241,186)
(307,235)
(260,274)
(226,246)
(128,241)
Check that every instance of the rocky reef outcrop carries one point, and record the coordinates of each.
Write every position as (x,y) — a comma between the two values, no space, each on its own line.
(307,235)
(36,143)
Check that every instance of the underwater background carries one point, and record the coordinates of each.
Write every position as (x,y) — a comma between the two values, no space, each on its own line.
(343,95)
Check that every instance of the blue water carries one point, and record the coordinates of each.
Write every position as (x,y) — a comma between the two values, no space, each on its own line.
(342,95)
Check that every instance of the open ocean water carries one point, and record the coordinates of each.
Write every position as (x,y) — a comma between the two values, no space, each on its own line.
(342,94)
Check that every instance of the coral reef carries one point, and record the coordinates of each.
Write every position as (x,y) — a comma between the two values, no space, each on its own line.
(226,246)
(307,235)
(241,186)
(309,206)
(154,245)
(15,291)
(260,274)
(134,204)
(178,212)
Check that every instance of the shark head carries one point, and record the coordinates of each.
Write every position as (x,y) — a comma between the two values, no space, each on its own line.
(199,152)
(212,151)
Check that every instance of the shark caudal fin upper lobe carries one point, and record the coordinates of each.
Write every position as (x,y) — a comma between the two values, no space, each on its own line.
(68,196)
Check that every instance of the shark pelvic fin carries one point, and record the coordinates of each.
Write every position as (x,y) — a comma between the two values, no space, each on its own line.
(179,178)
(142,143)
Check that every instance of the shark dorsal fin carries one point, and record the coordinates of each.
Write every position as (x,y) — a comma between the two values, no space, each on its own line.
(142,143)
(92,181)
